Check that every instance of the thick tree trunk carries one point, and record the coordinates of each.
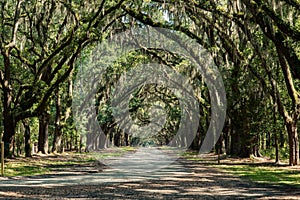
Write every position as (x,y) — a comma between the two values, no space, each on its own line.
(290,121)
(183,141)
(8,118)
(293,143)
(8,123)
(102,141)
(117,138)
(56,146)
(247,140)
(43,133)
(235,146)
(103,137)
(76,143)
(236,133)
(196,142)
(126,139)
(268,140)
(111,136)
(9,132)
(88,146)
(242,141)
(282,140)
(220,145)
(28,149)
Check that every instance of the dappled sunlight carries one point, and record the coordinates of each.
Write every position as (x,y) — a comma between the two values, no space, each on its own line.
(183,179)
(159,191)
(10,194)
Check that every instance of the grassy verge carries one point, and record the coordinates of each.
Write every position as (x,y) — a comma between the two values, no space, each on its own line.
(41,164)
(265,174)
(259,171)
(192,155)
(22,169)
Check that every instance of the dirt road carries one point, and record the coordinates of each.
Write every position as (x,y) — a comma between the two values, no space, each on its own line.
(184,179)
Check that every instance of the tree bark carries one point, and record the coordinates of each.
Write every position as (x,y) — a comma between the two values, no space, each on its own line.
(117,138)
(293,143)
(126,139)
(235,145)
(56,147)
(8,122)
(9,130)
(196,142)
(28,149)
(43,133)
(276,149)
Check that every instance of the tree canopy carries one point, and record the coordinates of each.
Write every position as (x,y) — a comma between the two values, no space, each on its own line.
(254,43)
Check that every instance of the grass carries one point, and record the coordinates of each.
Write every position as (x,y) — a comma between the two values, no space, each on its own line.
(265,174)
(41,164)
(22,169)
(251,169)
(192,155)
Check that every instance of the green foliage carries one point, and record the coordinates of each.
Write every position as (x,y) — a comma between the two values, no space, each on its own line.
(283,153)
(34,129)
(254,43)
(147,97)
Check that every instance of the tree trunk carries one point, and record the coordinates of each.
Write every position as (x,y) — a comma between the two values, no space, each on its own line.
(102,141)
(9,132)
(235,146)
(28,149)
(293,143)
(103,137)
(183,142)
(276,137)
(8,118)
(219,145)
(236,133)
(43,133)
(57,144)
(76,143)
(268,140)
(8,123)
(111,136)
(117,137)
(276,149)
(196,142)
(126,139)
(88,146)
(14,146)
(56,147)
(80,144)
(282,140)
(226,135)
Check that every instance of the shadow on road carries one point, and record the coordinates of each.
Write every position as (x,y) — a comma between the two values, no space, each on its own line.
(183,179)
